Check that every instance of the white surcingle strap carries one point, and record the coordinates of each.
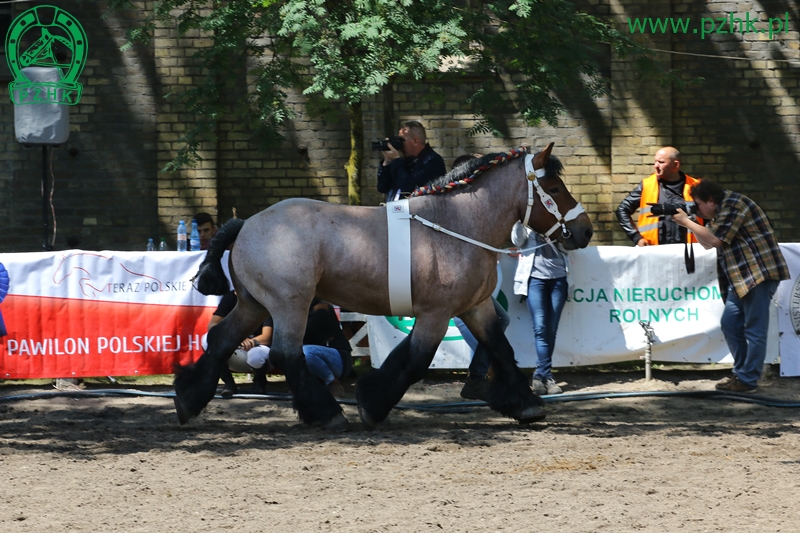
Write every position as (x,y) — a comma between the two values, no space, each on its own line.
(398,221)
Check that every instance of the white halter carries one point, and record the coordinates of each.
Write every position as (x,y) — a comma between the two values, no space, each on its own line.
(547,201)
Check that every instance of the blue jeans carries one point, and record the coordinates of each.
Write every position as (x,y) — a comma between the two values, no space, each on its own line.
(479,365)
(323,362)
(546,299)
(744,324)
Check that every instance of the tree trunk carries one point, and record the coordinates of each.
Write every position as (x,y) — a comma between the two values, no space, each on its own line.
(354,164)
(389,124)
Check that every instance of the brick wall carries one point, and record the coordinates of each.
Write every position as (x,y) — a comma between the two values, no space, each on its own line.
(182,193)
(106,173)
(739,127)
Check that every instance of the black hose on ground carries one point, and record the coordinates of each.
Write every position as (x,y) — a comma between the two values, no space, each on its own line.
(452,407)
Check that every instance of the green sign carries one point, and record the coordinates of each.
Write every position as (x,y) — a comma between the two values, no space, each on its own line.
(52,31)
(406,323)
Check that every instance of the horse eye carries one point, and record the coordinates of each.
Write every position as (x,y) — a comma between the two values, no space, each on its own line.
(554,190)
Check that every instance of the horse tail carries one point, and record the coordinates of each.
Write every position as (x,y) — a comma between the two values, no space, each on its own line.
(210,278)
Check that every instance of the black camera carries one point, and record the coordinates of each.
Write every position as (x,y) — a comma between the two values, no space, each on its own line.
(382,146)
(657,210)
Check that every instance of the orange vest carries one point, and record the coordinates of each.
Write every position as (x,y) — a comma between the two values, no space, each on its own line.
(647,225)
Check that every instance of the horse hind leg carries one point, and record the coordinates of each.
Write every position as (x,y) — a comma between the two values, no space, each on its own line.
(311,399)
(196,384)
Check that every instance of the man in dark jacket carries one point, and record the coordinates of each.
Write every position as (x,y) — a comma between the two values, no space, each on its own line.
(404,168)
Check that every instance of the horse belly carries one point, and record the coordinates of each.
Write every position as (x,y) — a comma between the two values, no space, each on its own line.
(354,275)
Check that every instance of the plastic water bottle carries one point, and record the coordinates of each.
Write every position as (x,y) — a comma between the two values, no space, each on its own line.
(194,238)
(181,236)
(151,247)
(162,246)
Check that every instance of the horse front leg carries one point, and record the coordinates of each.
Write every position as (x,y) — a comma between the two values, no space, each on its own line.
(509,393)
(381,389)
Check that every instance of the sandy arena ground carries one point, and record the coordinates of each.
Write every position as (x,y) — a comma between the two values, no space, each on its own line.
(652,464)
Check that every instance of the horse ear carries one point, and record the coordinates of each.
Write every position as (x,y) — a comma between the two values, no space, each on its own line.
(541,158)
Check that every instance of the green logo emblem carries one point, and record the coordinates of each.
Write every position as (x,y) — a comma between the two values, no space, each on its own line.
(406,323)
(46,36)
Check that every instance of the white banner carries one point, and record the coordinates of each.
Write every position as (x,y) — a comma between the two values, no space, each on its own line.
(788,298)
(131,277)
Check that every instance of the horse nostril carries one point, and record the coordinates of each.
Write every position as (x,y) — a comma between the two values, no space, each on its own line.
(589,233)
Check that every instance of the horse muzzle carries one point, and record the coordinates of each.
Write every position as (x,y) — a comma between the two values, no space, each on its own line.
(577,233)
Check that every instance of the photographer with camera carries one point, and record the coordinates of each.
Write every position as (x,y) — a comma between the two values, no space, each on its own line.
(658,197)
(750,266)
(408,161)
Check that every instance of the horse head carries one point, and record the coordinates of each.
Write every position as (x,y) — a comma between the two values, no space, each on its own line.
(551,210)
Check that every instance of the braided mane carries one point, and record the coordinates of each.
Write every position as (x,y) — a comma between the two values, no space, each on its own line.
(466,173)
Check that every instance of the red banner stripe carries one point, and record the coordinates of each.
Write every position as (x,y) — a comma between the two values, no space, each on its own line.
(62,337)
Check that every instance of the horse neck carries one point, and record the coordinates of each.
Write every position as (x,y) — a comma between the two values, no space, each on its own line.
(485,211)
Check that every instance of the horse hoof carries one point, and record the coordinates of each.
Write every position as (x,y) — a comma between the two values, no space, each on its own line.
(532,414)
(365,418)
(183,414)
(337,424)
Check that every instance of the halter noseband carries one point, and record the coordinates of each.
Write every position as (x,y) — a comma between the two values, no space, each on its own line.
(547,201)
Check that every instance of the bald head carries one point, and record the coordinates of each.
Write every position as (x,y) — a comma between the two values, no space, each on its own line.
(667,164)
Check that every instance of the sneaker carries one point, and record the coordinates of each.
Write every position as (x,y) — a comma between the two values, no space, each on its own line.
(734,385)
(475,389)
(538,386)
(552,387)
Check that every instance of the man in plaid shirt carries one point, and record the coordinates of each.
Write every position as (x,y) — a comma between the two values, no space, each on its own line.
(752,266)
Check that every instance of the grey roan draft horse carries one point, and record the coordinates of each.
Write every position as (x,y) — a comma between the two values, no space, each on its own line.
(300,248)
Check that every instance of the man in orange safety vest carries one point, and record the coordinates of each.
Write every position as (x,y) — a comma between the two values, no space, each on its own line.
(667,185)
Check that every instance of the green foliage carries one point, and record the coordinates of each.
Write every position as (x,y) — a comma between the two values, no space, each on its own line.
(343,51)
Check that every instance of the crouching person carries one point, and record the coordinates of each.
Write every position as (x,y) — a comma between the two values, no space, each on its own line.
(326,349)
